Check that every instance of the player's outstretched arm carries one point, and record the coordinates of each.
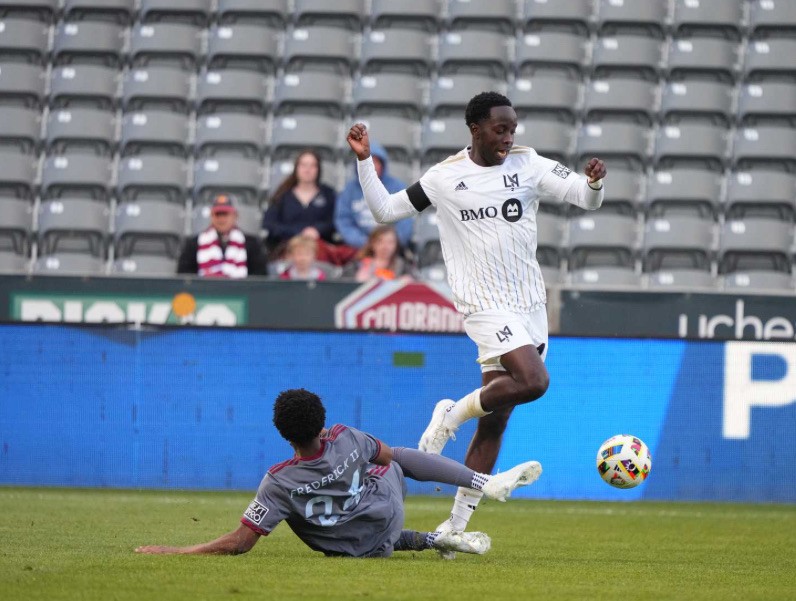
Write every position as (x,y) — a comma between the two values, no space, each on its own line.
(232,543)
(560,183)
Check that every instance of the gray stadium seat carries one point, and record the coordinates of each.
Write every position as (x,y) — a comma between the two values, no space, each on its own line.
(230,133)
(243,46)
(22,84)
(767,17)
(116,11)
(42,10)
(272,13)
(88,42)
(397,51)
(549,233)
(551,139)
(602,240)
(562,15)
(16,225)
(449,94)
(76,175)
(250,218)
(691,144)
(684,190)
(12,262)
(73,225)
(632,16)
(425,237)
(232,90)
(281,168)
(627,55)
(441,138)
(20,129)
(400,170)
(678,242)
(393,93)
(624,194)
(69,263)
(319,48)
(755,244)
(297,132)
(546,95)
(149,227)
(758,280)
(708,17)
(765,146)
(322,93)
(81,129)
(605,276)
(156,88)
(556,51)
(621,98)
(166,44)
(770,59)
(231,175)
(407,14)
(697,100)
(496,15)
(437,276)
(761,193)
(767,102)
(190,11)
(17,175)
(702,57)
(340,13)
(398,135)
(615,142)
(152,177)
(696,279)
(23,39)
(473,51)
(154,132)
(83,85)
(144,266)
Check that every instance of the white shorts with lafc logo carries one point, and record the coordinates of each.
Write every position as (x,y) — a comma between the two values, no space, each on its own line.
(497,332)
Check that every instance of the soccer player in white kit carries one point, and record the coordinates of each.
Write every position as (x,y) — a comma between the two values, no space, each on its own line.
(486,198)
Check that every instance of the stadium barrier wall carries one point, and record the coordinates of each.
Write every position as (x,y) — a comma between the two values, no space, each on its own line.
(190,408)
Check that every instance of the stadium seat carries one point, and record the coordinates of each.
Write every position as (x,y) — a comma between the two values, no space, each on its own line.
(691,144)
(627,55)
(232,90)
(598,277)
(624,195)
(116,11)
(761,193)
(772,17)
(231,133)
(76,176)
(563,15)
(16,225)
(755,244)
(615,142)
(42,10)
(425,238)
(83,85)
(407,14)
(297,132)
(190,11)
(11,262)
(319,48)
(166,44)
(678,242)
(397,51)
(393,93)
(152,177)
(684,190)
(271,13)
(495,15)
(703,58)
(602,240)
(401,170)
(69,263)
(398,135)
(25,40)
(149,227)
(154,132)
(551,139)
(17,175)
(20,129)
(621,98)
(696,279)
(322,93)
(144,266)
(449,94)
(441,138)
(556,51)
(770,59)
(250,218)
(632,16)
(156,88)
(767,103)
(231,175)
(549,233)
(708,17)
(243,46)
(544,96)
(702,100)
(758,281)
(473,51)
(88,42)
(81,130)
(22,84)
(340,13)
(74,225)
(765,146)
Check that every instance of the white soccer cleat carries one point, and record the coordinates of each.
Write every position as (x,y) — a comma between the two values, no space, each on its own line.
(500,486)
(438,432)
(446,554)
(464,542)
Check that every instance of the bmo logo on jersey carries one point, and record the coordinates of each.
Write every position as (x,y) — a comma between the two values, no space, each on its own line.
(511,210)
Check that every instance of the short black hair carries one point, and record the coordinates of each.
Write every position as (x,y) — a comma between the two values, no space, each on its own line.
(479,106)
(299,415)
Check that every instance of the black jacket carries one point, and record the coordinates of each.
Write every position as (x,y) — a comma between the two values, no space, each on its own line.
(255,257)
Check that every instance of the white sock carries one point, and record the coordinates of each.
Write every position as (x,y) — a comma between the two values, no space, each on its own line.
(463,507)
(468,407)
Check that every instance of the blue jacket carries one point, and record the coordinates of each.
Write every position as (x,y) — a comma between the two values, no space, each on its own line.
(352,217)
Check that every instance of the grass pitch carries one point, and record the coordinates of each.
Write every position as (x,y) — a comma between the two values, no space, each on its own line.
(77,544)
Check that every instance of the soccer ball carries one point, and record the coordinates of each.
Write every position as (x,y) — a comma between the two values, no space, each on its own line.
(624,461)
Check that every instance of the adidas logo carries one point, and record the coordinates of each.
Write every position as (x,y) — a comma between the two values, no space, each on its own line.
(461,186)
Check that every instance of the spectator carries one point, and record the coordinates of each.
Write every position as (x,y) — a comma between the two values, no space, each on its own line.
(222,250)
(353,218)
(301,253)
(379,258)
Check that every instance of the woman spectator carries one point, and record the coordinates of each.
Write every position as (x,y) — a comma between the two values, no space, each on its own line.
(380,257)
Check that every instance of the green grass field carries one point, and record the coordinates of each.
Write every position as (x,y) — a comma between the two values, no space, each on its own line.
(77,544)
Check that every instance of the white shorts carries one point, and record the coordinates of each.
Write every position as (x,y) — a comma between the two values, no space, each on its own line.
(498,332)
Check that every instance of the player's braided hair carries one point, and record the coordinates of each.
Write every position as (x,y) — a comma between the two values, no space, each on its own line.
(299,415)
(479,106)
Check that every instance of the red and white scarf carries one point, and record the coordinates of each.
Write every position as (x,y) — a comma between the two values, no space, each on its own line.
(229,263)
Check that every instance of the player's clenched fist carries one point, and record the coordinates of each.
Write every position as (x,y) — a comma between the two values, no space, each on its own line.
(358,141)
(595,170)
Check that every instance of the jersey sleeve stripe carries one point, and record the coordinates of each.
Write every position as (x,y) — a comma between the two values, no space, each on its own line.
(418,197)
(254,528)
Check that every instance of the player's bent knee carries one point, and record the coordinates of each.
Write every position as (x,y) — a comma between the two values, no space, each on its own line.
(535,386)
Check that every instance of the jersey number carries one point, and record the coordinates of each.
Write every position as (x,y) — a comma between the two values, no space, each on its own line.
(328,517)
